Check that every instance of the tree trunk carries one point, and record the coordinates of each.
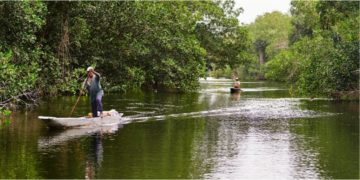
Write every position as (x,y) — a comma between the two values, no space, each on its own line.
(261,75)
(63,49)
(261,56)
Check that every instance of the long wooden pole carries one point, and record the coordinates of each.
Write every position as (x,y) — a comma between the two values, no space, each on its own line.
(77,101)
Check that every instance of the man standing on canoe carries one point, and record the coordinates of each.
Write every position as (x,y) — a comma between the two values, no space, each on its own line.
(95,91)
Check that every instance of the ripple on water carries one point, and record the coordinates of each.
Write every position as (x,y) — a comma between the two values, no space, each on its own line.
(227,90)
(251,108)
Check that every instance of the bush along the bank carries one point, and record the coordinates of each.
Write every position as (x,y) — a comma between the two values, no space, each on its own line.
(45,47)
(4,117)
(323,59)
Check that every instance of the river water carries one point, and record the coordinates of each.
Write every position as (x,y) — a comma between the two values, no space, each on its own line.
(261,132)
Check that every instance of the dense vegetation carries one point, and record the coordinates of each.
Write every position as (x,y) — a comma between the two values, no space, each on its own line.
(45,47)
(269,34)
(323,56)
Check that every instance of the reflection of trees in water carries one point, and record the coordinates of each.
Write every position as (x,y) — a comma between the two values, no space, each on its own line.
(74,153)
(95,157)
(216,141)
(236,147)
(325,147)
(151,150)
(17,158)
(213,100)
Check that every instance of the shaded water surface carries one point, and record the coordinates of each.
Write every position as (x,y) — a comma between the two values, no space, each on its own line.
(261,132)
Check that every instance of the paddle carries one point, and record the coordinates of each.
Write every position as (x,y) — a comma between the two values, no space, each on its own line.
(81,90)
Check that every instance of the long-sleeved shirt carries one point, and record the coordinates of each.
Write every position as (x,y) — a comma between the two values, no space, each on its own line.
(93,86)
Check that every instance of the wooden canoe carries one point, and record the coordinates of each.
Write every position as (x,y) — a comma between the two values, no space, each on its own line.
(71,122)
(235,90)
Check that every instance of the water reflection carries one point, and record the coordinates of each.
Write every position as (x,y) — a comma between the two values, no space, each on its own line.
(210,134)
(95,157)
(250,108)
(235,96)
(58,137)
(53,142)
(236,148)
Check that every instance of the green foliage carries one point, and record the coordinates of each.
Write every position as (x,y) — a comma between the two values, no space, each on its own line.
(269,35)
(325,69)
(269,32)
(324,56)
(20,51)
(304,19)
(337,57)
(282,67)
(20,21)
(46,46)
(16,78)
(159,45)
(315,59)
(226,72)
(70,84)
(4,117)
(226,43)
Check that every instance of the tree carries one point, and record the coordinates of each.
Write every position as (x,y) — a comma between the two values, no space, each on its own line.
(323,57)
(226,43)
(133,44)
(269,34)
(304,20)
(20,50)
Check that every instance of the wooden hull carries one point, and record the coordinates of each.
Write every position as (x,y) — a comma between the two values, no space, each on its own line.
(71,122)
(235,90)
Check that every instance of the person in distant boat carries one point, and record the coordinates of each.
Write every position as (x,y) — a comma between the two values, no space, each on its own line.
(237,83)
(95,91)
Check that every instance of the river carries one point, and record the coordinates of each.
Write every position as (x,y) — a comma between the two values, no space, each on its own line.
(261,132)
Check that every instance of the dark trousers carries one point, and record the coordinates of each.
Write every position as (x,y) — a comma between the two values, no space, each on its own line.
(96,104)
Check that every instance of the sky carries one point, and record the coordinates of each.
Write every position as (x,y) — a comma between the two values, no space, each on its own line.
(253,8)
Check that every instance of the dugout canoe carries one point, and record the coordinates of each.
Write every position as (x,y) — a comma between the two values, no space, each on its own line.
(72,122)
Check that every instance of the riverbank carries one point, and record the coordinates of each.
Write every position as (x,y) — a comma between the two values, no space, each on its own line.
(346,95)
(30,99)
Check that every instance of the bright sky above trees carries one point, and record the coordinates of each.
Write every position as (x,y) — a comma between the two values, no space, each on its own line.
(254,8)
